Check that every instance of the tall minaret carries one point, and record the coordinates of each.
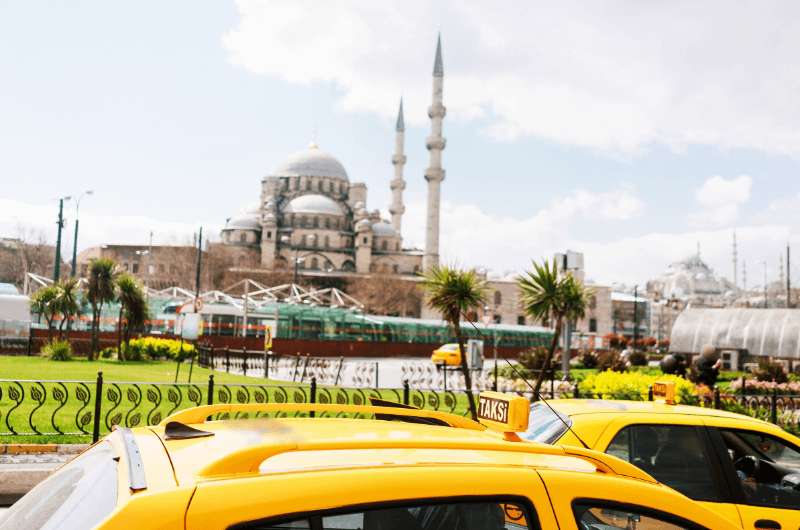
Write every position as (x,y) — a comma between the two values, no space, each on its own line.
(398,160)
(735,263)
(434,174)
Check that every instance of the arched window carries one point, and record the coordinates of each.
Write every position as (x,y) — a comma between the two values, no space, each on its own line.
(316,222)
(498,298)
(327,241)
(348,266)
(384,245)
(303,241)
(314,263)
(243,237)
(308,185)
(327,222)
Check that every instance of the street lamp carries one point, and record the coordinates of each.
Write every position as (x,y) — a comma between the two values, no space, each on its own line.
(286,240)
(75,239)
(60,223)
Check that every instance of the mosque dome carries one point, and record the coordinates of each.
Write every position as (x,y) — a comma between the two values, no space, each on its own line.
(384,229)
(312,162)
(314,203)
(247,219)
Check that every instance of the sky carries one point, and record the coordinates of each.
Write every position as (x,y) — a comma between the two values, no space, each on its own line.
(631,131)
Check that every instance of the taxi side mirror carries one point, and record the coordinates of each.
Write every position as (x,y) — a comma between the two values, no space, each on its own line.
(791,481)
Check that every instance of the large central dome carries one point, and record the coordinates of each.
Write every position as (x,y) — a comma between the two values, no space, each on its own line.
(312,162)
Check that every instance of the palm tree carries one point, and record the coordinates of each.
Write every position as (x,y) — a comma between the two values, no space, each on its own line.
(67,304)
(453,293)
(43,303)
(550,298)
(132,309)
(99,291)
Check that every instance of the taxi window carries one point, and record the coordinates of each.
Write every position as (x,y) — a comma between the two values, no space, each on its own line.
(768,469)
(675,455)
(600,516)
(545,425)
(472,515)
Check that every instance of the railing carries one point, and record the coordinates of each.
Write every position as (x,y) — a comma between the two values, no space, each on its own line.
(61,410)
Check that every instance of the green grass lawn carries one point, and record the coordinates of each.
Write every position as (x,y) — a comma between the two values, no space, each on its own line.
(21,367)
(60,396)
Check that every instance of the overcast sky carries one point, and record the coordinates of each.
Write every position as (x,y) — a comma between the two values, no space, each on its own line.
(630,131)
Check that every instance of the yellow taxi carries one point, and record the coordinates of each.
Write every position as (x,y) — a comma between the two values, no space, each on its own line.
(743,468)
(447,354)
(381,468)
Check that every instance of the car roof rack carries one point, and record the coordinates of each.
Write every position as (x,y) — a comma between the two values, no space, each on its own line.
(196,415)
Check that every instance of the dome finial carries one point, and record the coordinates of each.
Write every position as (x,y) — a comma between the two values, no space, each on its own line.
(313,145)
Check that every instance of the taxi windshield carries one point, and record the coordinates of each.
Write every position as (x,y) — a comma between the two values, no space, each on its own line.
(545,425)
(79,495)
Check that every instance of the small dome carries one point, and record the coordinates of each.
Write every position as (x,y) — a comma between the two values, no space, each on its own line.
(384,229)
(312,162)
(244,222)
(363,225)
(314,203)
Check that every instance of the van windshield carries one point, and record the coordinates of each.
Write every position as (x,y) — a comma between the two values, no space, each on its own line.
(79,495)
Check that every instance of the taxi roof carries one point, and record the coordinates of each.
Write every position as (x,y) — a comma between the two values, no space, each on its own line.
(238,447)
(576,407)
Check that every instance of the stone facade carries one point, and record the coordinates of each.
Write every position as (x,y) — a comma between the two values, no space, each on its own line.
(158,266)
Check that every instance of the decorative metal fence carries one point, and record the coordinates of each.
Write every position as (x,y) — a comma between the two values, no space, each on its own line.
(64,410)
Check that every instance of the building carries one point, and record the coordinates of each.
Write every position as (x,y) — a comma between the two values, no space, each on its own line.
(692,281)
(157,266)
(311,217)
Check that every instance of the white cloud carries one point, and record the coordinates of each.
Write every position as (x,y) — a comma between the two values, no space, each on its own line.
(720,199)
(472,237)
(616,77)
(95,229)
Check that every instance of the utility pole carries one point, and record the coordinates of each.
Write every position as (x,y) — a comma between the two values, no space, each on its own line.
(60,223)
(197,270)
(788,278)
(73,272)
(636,312)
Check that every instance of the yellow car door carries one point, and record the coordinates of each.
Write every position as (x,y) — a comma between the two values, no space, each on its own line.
(675,450)
(764,470)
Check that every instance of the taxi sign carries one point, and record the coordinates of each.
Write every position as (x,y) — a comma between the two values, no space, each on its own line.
(503,412)
(664,390)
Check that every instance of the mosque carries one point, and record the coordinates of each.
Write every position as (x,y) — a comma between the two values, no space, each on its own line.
(311,216)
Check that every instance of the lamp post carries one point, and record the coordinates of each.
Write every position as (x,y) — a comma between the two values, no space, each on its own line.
(297,260)
(60,223)
(75,239)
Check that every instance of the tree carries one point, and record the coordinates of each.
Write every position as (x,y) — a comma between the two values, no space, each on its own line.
(43,304)
(453,293)
(67,304)
(551,298)
(100,290)
(132,309)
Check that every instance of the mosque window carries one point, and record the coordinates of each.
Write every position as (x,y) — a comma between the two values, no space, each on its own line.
(243,238)
(592,325)
(397,246)
(395,269)
(327,222)
(384,245)
(314,263)
(520,320)
(365,240)
(308,185)
(327,241)
(135,267)
(269,234)
(303,241)
(498,298)
(316,222)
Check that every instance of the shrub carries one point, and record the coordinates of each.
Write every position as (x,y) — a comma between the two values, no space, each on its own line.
(58,350)
(158,348)
(633,385)
(769,371)
(637,358)
(589,360)
(533,360)
(611,360)
(107,353)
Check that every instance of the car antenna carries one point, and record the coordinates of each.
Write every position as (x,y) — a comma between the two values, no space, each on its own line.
(535,392)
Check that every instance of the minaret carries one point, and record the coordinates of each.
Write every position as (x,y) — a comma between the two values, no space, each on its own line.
(735,264)
(398,160)
(434,174)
